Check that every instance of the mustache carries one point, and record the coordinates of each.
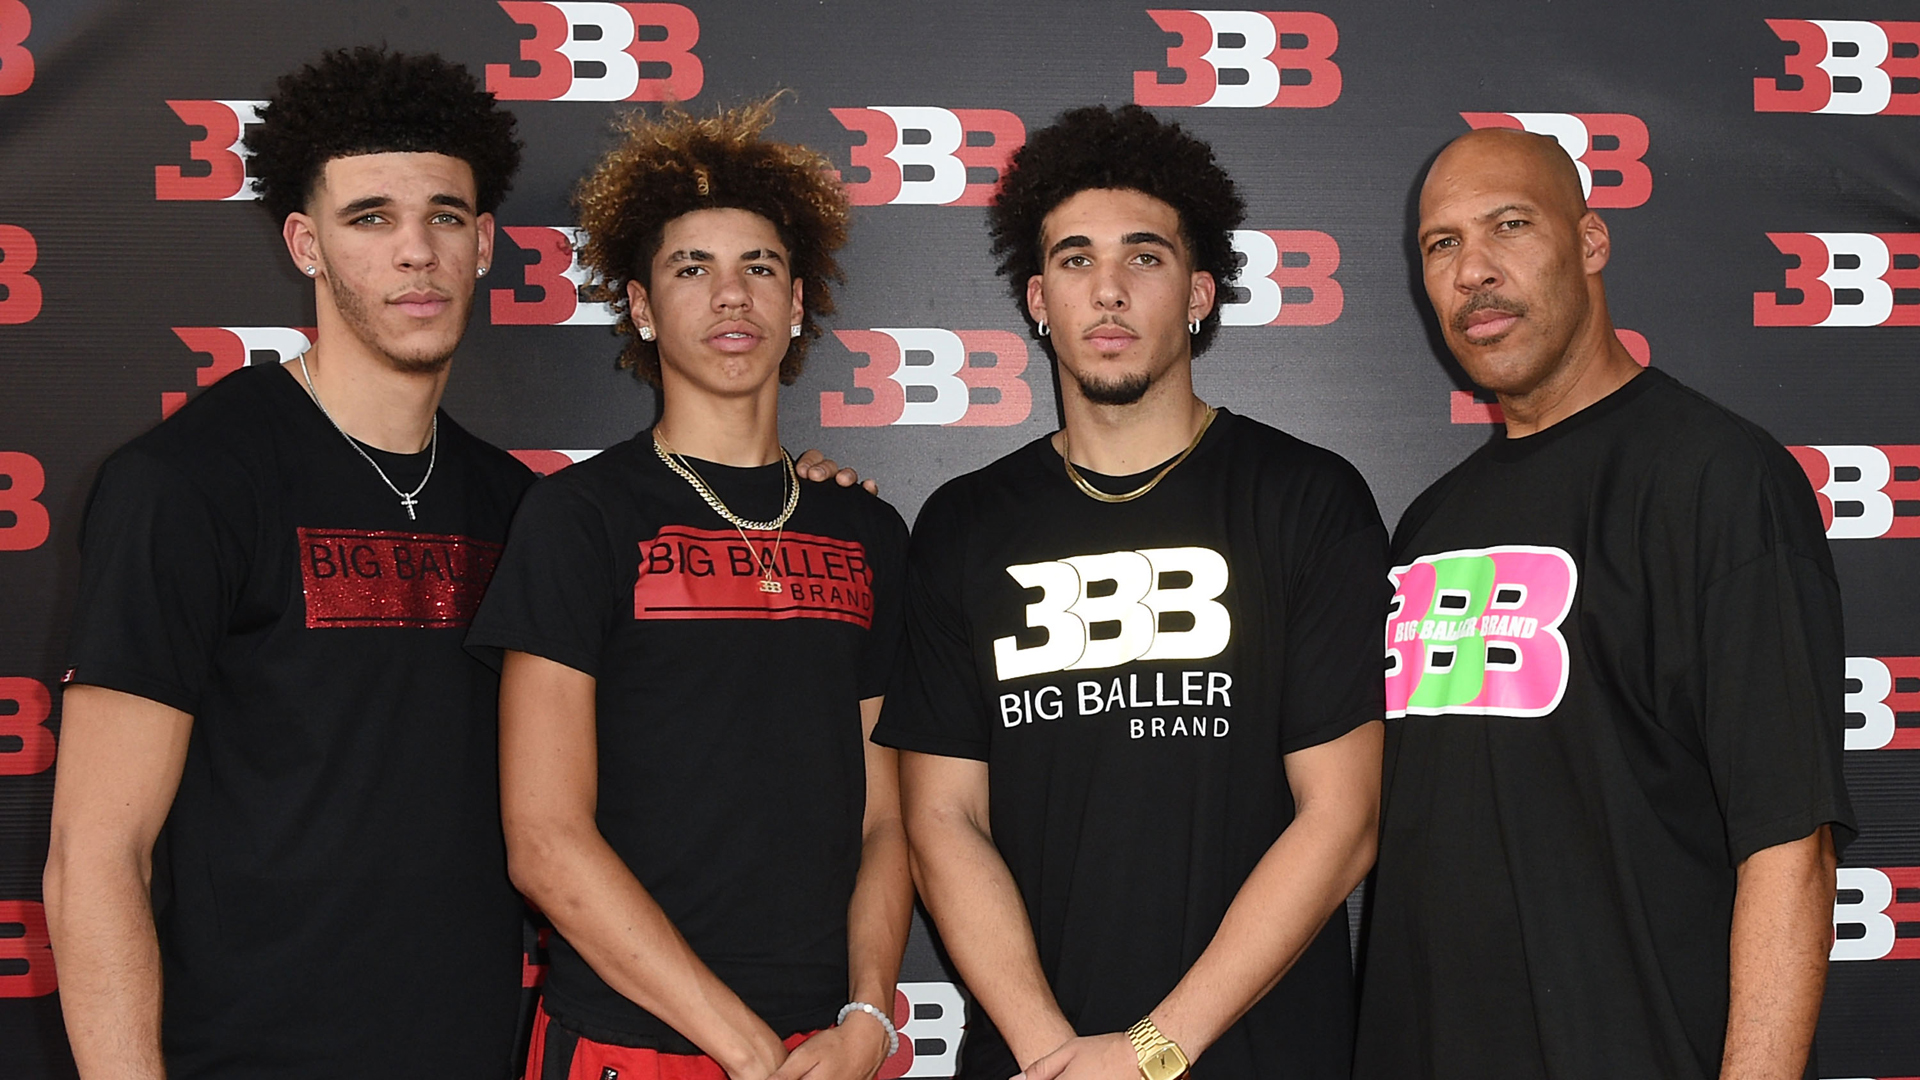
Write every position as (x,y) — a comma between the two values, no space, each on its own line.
(1485,301)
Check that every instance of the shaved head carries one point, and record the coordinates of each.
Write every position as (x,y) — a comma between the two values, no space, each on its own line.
(1511,258)
(1524,159)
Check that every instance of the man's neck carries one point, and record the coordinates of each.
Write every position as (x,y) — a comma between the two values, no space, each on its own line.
(1596,367)
(1120,440)
(368,397)
(739,431)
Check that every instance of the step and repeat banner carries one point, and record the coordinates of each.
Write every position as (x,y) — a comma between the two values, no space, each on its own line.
(1759,166)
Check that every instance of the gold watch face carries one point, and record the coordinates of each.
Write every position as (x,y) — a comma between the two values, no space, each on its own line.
(1166,1063)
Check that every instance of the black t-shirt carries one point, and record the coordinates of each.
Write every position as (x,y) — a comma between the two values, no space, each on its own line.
(1133,674)
(732,776)
(330,886)
(1615,658)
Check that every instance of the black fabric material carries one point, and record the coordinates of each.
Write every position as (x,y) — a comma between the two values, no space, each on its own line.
(731,763)
(1554,894)
(330,887)
(1128,832)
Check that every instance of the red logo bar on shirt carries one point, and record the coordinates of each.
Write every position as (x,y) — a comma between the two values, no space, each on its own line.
(710,574)
(354,578)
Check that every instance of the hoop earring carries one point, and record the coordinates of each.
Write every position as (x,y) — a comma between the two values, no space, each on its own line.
(1193,328)
(1043,328)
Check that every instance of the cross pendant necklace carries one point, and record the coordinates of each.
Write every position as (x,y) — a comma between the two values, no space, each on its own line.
(408,499)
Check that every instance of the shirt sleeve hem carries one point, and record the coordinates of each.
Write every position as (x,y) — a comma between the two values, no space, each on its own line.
(479,644)
(1799,825)
(127,682)
(1326,733)
(929,744)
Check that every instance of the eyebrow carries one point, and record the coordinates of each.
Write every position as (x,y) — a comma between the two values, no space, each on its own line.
(375,202)
(1080,240)
(697,255)
(1525,208)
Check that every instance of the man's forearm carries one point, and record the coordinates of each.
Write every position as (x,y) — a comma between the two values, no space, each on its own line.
(1302,879)
(879,916)
(1777,957)
(604,912)
(100,919)
(976,905)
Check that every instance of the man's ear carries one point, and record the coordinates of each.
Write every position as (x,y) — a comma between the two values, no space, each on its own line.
(1596,243)
(483,226)
(1036,299)
(799,314)
(1200,296)
(638,310)
(303,243)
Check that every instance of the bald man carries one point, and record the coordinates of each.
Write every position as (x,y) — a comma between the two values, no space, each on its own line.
(1614,680)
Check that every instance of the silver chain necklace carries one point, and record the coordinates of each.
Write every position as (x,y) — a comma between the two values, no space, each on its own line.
(408,499)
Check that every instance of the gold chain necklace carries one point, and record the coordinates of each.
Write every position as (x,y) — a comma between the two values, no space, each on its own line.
(1066,455)
(790,482)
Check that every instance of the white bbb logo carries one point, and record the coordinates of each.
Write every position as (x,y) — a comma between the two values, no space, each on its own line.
(1140,596)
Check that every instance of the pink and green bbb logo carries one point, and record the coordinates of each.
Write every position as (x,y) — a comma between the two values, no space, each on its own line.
(1477,631)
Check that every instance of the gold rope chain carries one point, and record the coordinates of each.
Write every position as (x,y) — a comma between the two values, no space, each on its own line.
(677,463)
(1066,455)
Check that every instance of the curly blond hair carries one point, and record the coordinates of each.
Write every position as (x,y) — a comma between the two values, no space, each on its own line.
(679,163)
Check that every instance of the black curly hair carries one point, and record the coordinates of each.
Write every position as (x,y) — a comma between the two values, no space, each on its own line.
(676,164)
(1126,148)
(371,101)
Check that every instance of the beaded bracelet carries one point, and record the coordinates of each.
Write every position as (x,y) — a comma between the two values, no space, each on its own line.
(893,1036)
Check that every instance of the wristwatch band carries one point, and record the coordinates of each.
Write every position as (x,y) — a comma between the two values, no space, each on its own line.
(1160,1058)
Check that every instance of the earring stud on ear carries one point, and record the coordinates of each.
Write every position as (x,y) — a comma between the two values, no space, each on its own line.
(793,331)
(646,333)
(482,272)
(311,271)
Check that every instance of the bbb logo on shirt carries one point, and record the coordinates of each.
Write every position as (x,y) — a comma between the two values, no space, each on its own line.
(1101,611)
(1475,631)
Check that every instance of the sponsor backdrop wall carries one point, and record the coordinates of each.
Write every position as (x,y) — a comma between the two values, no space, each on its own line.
(1759,167)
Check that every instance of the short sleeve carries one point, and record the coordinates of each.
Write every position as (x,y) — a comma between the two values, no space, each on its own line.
(553,594)
(933,706)
(160,574)
(1771,682)
(882,648)
(1336,614)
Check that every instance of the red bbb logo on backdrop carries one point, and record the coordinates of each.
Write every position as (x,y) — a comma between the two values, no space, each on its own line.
(556,272)
(16,61)
(1844,66)
(1470,407)
(1884,691)
(22,298)
(230,348)
(1244,60)
(955,158)
(548,462)
(220,149)
(24,523)
(26,952)
(1865,492)
(1876,914)
(601,52)
(1846,279)
(1287,279)
(1612,176)
(932,1019)
(937,391)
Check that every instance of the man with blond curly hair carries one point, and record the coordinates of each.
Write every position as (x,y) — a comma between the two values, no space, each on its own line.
(695,651)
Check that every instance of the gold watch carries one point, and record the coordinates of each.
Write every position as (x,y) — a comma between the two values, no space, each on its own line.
(1160,1057)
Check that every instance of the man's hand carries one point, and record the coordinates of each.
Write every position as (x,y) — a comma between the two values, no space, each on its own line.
(1089,1057)
(815,465)
(854,1050)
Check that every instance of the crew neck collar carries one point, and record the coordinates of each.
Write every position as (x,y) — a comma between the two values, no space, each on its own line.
(1512,449)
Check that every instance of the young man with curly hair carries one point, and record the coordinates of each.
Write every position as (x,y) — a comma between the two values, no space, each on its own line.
(1140,717)
(267,650)
(695,651)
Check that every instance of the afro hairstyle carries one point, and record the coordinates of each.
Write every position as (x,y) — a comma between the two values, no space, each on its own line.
(371,101)
(676,164)
(1126,148)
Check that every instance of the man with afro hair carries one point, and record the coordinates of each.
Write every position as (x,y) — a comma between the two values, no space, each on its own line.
(1140,712)
(695,653)
(267,673)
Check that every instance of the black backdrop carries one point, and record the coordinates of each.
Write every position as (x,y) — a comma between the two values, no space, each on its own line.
(1760,169)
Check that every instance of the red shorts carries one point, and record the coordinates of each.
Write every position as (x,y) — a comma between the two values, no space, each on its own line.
(559,1054)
